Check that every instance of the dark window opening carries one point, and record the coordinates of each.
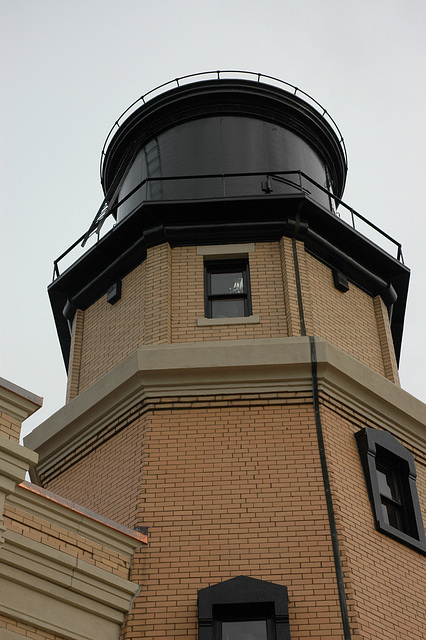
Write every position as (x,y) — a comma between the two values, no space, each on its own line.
(390,475)
(244,621)
(243,608)
(227,289)
(391,495)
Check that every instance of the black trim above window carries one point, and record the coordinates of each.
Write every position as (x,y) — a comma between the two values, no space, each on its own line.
(232,609)
(390,475)
(227,289)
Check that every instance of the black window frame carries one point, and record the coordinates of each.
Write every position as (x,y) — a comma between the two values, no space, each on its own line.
(381,452)
(243,599)
(227,266)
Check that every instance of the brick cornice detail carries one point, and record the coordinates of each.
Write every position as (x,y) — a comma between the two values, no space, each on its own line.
(18,402)
(62,594)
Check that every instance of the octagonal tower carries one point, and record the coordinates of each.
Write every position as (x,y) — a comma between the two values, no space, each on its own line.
(225,341)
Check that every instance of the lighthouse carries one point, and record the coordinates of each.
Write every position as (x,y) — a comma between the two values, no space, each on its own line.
(232,348)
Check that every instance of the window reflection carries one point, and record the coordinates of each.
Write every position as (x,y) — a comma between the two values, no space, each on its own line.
(227,283)
(390,496)
(244,630)
(227,289)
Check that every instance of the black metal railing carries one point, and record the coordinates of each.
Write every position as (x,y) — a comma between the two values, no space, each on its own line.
(297,180)
(221,75)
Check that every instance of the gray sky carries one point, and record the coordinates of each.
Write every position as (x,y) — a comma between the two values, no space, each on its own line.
(69,69)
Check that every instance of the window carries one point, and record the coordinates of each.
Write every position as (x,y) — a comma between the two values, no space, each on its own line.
(390,475)
(244,630)
(227,289)
(243,608)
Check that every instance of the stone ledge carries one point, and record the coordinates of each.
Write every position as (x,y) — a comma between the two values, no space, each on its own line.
(77,519)
(221,368)
(15,460)
(34,562)
(18,402)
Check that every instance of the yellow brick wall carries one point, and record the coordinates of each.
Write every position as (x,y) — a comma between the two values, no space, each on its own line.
(348,320)
(10,427)
(233,491)
(108,480)
(385,335)
(232,486)
(60,538)
(163,298)
(26,630)
(385,578)
(226,489)
(266,293)
(291,299)
(73,385)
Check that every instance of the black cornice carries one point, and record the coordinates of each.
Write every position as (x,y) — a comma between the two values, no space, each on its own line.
(222,221)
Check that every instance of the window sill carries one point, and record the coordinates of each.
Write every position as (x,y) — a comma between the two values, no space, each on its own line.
(414,543)
(209,322)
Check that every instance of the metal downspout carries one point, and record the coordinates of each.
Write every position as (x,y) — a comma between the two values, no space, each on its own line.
(323,458)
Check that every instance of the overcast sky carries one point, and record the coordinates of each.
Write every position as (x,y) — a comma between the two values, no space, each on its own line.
(69,69)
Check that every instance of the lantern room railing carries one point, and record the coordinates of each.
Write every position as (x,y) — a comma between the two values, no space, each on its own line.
(221,75)
(295,180)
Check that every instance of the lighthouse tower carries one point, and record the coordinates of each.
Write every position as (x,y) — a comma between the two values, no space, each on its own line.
(232,348)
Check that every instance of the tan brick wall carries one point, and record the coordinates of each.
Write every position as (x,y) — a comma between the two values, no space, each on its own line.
(385,335)
(226,488)
(161,302)
(60,538)
(385,579)
(266,292)
(348,320)
(9,427)
(108,480)
(26,630)
(187,302)
(112,332)
(163,298)
(232,491)
(232,486)
(75,356)
(290,288)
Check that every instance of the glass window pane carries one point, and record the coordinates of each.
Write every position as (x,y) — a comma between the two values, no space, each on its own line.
(227,283)
(228,308)
(387,483)
(244,630)
(392,515)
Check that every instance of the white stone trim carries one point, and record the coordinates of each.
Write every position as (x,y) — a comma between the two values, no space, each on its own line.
(60,593)
(225,251)
(18,402)
(15,459)
(228,367)
(109,534)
